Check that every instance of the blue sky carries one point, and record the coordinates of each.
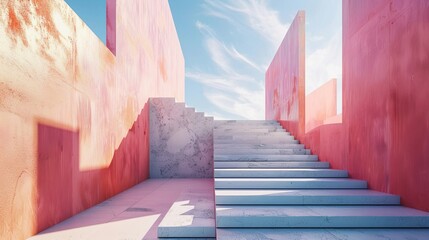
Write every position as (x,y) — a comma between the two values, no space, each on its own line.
(228,44)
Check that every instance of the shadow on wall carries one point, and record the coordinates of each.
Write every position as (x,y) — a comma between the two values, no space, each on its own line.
(63,190)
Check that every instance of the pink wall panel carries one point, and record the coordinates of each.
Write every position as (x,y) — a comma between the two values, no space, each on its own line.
(320,105)
(73,116)
(285,80)
(384,135)
(386,59)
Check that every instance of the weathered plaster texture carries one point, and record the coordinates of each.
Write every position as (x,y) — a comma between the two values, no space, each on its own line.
(73,116)
(384,135)
(385,95)
(285,80)
(181,141)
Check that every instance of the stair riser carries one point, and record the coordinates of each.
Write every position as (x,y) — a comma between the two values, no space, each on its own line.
(239,151)
(258,146)
(219,173)
(231,164)
(257,141)
(322,222)
(256,130)
(231,135)
(307,200)
(253,138)
(290,185)
(255,158)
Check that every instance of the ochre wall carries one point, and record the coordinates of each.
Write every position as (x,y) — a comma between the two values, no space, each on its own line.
(385,95)
(285,80)
(73,116)
(384,135)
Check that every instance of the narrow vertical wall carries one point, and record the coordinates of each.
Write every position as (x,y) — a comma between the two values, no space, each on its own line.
(73,116)
(285,80)
(181,142)
(385,95)
(321,105)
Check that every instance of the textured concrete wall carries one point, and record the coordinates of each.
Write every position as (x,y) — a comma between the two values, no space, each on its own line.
(385,95)
(181,141)
(321,105)
(74,117)
(285,80)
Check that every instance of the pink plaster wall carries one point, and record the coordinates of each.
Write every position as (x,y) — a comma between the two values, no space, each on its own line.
(285,80)
(384,135)
(321,105)
(385,95)
(73,116)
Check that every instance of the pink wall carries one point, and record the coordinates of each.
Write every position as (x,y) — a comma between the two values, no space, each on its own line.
(73,116)
(285,80)
(384,136)
(321,105)
(385,89)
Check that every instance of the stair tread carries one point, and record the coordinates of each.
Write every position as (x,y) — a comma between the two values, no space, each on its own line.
(302,211)
(300,192)
(270,164)
(320,216)
(325,234)
(289,183)
(279,172)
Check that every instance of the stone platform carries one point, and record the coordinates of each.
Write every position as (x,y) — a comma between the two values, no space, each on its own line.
(136,213)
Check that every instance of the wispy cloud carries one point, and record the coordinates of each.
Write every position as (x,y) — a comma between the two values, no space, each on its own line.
(230,96)
(255,14)
(324,63)
(237,87)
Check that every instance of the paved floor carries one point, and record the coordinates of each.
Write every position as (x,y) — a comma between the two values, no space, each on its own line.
(132,214)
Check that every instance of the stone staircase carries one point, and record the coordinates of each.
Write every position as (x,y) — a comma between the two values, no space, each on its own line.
(265,179)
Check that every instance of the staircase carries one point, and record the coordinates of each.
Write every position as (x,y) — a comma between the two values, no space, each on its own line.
(265,179)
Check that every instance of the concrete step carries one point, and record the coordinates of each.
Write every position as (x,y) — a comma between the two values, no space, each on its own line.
(193,218)
(228,216)
(256,141)
(250,130)
(245,122)
(279,173)
(249,134)
(257,146)
(240,151)
(288,183)
(268,158)
(256,165)
(305,197)
(252,138)
(321,233)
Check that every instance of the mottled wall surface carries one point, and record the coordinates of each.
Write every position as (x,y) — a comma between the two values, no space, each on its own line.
(285,80)
(385,95)
(321,105)
(181,141)
(73,116)
(384,136)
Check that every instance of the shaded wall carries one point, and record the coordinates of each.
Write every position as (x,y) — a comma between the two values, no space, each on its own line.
(385,89)
(74,117)
(321,105)
(285,80)
(181,141)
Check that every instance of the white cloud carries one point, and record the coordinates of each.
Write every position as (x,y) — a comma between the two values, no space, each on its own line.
(231,96)
(237,87)
(255,14)
(324,64)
